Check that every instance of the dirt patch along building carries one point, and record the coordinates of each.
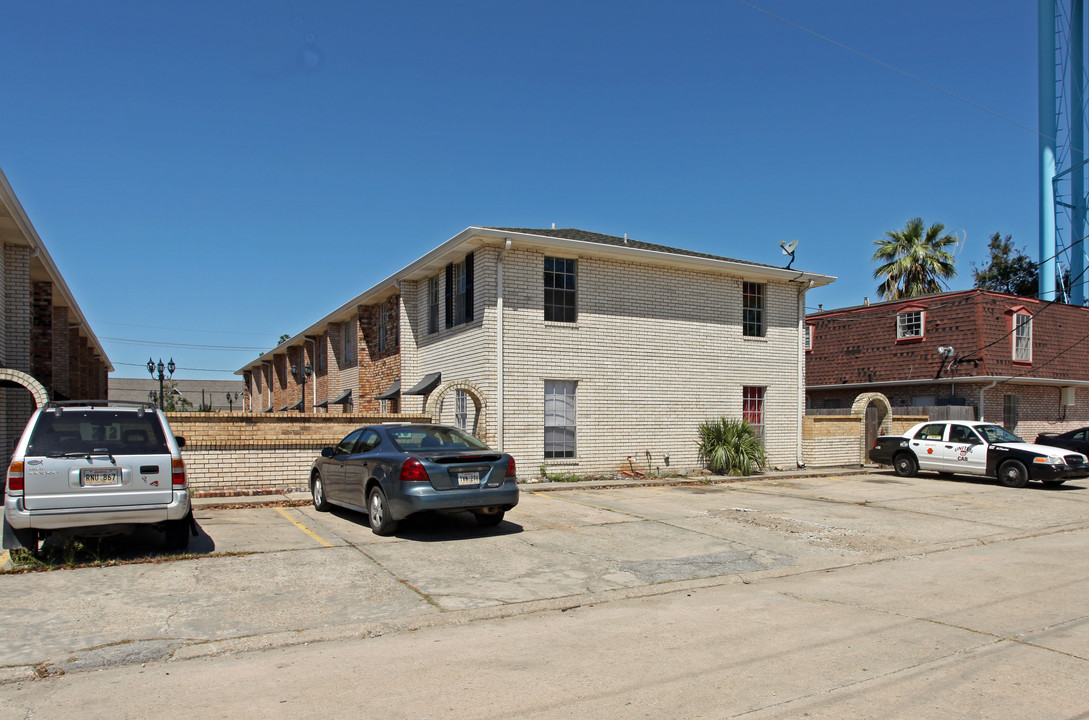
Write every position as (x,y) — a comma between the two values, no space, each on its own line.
(574,351)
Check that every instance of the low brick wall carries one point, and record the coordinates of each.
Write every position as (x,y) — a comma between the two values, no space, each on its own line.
(834,440)
(252,453)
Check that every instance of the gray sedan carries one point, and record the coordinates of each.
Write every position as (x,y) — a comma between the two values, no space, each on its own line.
(393,471)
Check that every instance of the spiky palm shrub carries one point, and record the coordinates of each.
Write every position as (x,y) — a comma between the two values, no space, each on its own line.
(730,447)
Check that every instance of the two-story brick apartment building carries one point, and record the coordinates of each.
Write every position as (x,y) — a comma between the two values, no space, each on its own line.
(1023,362)
(47,348)
(568,349)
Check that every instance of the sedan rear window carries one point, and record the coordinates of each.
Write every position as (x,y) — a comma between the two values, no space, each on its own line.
(415,439)
(81,431)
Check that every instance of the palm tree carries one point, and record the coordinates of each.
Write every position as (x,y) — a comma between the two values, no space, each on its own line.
(914,260)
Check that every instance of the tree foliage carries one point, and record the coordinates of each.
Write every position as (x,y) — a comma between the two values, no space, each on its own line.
(914,261)
(1009,271)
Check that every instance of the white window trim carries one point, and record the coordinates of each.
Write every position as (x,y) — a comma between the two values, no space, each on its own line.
(1018,356)
(901,316)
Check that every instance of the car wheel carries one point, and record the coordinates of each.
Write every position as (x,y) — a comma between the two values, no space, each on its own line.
(1012,474)
(177,534)
(317,490)
(1054,483)
(904,464)
(489,519)
(378,512)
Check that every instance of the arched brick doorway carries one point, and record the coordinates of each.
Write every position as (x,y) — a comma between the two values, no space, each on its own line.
(876,412)
(442,406)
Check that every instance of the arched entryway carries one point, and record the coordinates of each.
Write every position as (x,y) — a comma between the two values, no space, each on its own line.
(37,390)
(876,412)
(461,404)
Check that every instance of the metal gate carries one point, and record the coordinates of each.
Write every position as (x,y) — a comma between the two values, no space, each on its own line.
(873,425)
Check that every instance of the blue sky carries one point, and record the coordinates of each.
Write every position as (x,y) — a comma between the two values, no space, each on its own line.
(213,175)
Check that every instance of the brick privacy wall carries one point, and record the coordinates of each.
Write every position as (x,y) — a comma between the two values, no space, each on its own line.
(836,440)
(249,452)
(654,352)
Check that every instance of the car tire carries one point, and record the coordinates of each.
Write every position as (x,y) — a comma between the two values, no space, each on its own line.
(317,492)
(905,465)
(176,534)
(1013,474)
(489,519)
(378,513)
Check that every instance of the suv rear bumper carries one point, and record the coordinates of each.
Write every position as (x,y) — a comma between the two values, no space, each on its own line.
(21,519)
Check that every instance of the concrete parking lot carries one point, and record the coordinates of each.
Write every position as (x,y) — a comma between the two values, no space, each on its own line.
(823,593)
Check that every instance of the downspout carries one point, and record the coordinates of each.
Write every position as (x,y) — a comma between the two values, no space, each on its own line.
(314,382)
(499,346)
(801,369)
(268,384)
(981,391)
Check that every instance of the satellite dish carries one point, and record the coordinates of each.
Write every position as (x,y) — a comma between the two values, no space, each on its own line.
(788,249)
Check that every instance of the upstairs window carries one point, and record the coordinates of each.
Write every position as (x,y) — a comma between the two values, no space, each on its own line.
(383,329)
(459,292)
(752,309)
(433,304)
(349,343)
(910,324)
(559,290)
(1022,338)
(808,338)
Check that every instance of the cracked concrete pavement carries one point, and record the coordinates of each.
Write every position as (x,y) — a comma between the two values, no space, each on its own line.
(842,595)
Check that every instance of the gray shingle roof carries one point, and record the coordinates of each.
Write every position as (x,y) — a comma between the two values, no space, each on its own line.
(592,237)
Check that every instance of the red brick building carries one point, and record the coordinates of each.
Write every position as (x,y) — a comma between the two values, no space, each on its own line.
(1024,362)
(47,349)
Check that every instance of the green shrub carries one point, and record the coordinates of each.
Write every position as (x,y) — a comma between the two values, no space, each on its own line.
(730,447)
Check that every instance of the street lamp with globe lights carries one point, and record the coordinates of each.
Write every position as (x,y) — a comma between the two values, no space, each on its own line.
(307,371)
(169,367)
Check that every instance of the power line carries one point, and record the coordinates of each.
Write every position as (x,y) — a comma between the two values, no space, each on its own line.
(144,365)
(155,343)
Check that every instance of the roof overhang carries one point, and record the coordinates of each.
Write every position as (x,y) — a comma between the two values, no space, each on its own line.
(16,229)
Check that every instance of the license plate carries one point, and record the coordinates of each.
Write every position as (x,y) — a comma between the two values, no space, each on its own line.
(99,477)
(465,479)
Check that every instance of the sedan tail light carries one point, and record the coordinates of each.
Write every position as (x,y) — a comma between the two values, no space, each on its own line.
(512,471)
(177,472)
(413,471)
(15,477)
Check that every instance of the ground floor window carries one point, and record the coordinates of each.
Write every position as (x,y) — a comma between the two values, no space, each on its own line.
(461,409)
(752,409)
(559,421)
(1009,412)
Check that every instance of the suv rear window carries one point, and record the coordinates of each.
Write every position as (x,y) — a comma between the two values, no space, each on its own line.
(85,431)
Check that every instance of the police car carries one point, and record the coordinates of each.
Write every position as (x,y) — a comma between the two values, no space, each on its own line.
(977,448)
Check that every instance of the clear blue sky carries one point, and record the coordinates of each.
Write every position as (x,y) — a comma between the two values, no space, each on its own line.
(210,174)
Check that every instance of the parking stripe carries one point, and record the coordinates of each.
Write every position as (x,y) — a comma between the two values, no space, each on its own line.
(305,529)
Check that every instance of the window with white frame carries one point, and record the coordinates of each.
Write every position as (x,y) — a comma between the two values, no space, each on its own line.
(560,419)
(461,409)
(433,304)
(910,324)
(752,309)
(1022,337)
(808,338)
(752,409)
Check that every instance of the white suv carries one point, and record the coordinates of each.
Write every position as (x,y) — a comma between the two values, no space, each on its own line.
(96,468)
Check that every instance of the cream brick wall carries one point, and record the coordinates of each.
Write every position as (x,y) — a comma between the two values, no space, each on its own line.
(654,352)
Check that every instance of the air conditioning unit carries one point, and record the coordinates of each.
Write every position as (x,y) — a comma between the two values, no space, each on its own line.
(1067,396)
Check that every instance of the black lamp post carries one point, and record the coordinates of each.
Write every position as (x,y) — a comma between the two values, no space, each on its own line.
(230,401)
(169,367)
(307,372)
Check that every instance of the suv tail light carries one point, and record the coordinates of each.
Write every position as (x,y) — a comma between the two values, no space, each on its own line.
(177,472)
(15,477)
(512,471)
(413,471)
